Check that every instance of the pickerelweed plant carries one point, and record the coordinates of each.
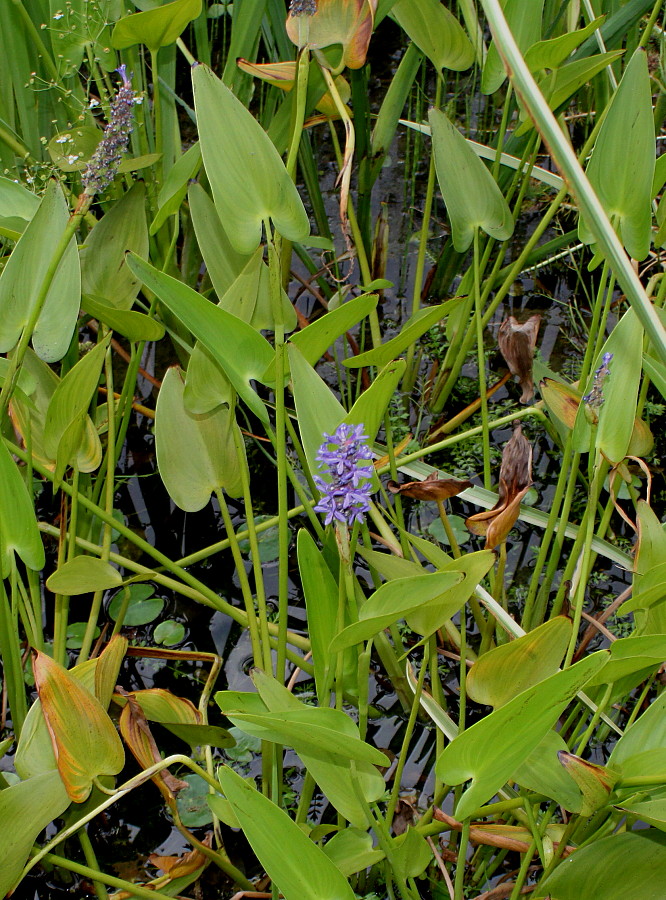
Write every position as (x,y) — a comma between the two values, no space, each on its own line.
(207,418)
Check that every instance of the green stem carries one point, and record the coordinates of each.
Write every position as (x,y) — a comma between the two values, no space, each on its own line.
(584,561)
(135,890)
(481,361)
(402,756)
(204,594)
(460,865)
(91,859)
(259,588)
(108,503)
(243,580)
(423,238)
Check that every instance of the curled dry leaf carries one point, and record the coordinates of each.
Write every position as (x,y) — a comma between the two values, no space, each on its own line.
(514,482)
(139,738)
(517,343)
(431,488)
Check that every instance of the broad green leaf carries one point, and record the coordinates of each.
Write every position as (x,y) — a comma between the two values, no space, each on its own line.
(318,410)
(352,851)
(248,179)
(659,179)
(348,23)
(650,554)
(18,525)
(632,654)
(321,602)
(511,668)
(651,811)
(315,339)
(647,733)
(473,199)
(196,454)
(83,575)
(67,411)
(223,809)
(543,773)
(157,27)
(472,566)
(330,770)
(621,169)
(173,191)
(18,205)
(249,297)
(393,104)
(23,276)
(656,371)
(524,21)
(135,326)
(411,854)
(396,600)
(389,566)
(436,32)
(311,730)
(26,809)
(224,264)
(243,354)
(371,406)
(292,872)
(206,385)
(625,866)
(484,754)
(32,416)
(550,54)
(85,741)
(104,273)
(620,389)
(412,330)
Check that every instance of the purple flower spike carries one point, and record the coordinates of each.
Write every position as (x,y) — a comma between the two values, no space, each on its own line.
(596,396)
(345,494)
(102,168)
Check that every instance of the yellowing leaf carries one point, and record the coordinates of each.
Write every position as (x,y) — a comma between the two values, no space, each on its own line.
(511,668)
(345,22)
(85,741)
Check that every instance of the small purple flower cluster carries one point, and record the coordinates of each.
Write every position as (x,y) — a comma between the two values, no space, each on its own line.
(103,165)
(596,396)
(345,498)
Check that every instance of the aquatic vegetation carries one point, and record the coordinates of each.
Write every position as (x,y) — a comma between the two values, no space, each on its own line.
(239,587)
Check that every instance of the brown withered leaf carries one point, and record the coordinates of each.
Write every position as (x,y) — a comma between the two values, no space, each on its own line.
(139,738)
(517,343)
(514,482)
(178,866)
(431,488)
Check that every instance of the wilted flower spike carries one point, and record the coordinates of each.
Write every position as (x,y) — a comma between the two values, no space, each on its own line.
(345,495)
(102,168)
(303,7)
(596,396)
(517,343)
